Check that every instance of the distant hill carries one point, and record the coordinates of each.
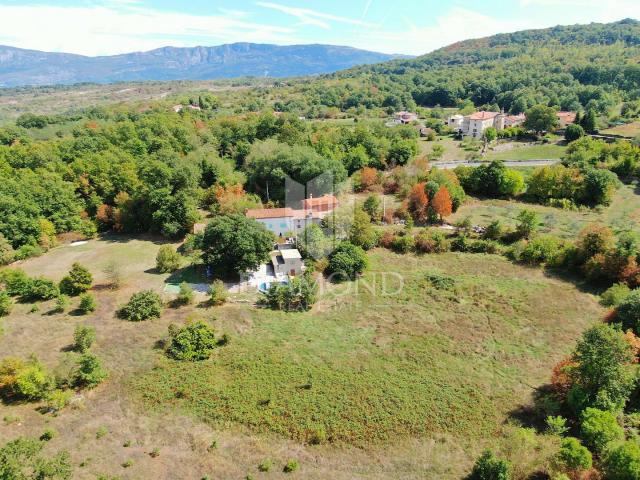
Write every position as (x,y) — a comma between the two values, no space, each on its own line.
(32,67)
(571,67)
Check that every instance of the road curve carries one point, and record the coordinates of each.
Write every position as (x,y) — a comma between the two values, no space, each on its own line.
(541,162)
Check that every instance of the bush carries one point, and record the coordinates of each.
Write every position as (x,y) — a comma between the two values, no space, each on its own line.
(195,341)
(347,261)
(573,132)
(598,428)
(186,295)
(623,462)
(15,281)
(24,380)
(168,259)
(297,295)
(40,289)
(21,459)
(488,467)
(48,434)
(528,223)
(58,399)
(440,281)
(403,243)
(494,231)
(90,372)
(78,280)
(142,306)
(573,456)
(87,303)
(615,295)
(628,312)
(62,302)
(265,465)
(218,293)
(436,242)
(5,304)
(541,249)
(290,466)
(83,338)
(557,425)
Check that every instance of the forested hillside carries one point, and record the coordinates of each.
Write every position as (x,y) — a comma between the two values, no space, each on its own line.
(571,67)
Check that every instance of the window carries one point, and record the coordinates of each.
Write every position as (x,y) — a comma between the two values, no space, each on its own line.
(283,225)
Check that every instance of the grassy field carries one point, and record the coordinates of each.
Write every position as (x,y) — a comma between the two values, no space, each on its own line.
(504,150)
(402,378)
(622,214)
(628,130)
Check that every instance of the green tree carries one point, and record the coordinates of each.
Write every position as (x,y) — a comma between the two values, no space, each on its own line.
(77,281)
(528,223)
(573,132)
(437,151)
(361,232)
(488,467)
(604,376)
(314,243)
(541,118)
(194,341)
(234,243)
(168,259)
(599,428)
(589,121)
(573,456)
(83,338)
(6,304)
(142,306)
(90,372)
(372,207)
(622,462)
(185,295)
(347,261)
(490,134)
(218,293)
(628,312)
(87,303)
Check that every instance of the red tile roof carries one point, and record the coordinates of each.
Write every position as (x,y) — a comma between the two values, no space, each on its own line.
(270,212)
(323,200)
(567,117)
(483,115)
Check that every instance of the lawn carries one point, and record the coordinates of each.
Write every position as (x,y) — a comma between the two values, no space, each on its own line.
(528,152)
(622,214)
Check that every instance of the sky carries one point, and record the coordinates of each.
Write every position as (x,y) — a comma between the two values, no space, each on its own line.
(414,27)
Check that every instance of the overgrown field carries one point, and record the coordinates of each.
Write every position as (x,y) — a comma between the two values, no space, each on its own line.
(364,367)
(622,214)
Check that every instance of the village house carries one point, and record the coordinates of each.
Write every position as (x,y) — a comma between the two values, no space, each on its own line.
(402,118)
(290,221)
(476,124)
(565,118)
(286,260)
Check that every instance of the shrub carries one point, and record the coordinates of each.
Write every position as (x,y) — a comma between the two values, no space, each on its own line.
(40,289)
(5,304)
(557,425)
(48,434)
(488,467)
(168,259)
(403,243)
(218,293)
(186,295)
(573,456)
(142,306)
(90,372)
(598,428)
(24,380)
(573,132)
(347,261)
(440,281)
(628,312)
(541,249)
(21,459)
(494,230)
(15,281)
(615,295)
(58,399)
(194,341)
(265,465)
(83,338)
(528,223)
(87,303)
(298,295)
(623,462)
(62,302)
(436,242)
(78,280)
(290,466)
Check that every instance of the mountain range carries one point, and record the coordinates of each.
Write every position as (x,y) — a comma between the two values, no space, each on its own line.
(32,67)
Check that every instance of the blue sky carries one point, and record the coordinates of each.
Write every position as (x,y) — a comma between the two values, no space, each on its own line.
(103,27)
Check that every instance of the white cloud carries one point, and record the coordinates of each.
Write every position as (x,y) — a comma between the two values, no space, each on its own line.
(106,29)
(583,11)
(307,16)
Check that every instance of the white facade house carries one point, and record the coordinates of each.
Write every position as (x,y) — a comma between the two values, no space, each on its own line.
(474,125)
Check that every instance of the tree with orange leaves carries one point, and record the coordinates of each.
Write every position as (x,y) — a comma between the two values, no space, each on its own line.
(634,342)
(418,203)
(368,177)
(561,376)
(442,203)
